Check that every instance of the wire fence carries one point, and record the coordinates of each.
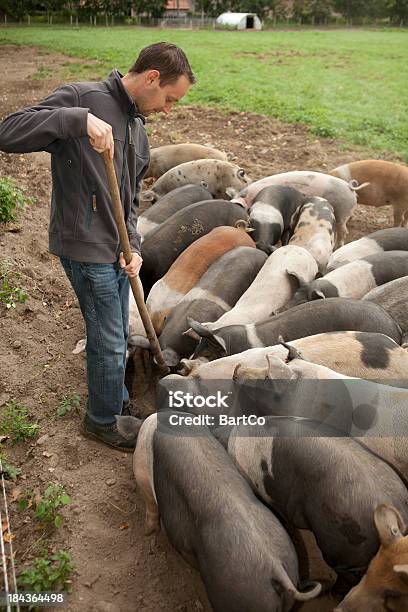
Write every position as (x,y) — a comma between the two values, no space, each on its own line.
(191,22)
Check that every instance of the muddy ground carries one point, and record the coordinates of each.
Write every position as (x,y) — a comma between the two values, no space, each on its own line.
(117,566)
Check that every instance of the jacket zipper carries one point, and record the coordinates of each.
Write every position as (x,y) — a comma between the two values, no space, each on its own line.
(91,209)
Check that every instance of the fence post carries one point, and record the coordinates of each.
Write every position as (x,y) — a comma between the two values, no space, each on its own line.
(90,19)
(95,21)
(76,21)
(28,19)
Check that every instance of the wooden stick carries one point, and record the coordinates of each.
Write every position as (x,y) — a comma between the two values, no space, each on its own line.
(127,253)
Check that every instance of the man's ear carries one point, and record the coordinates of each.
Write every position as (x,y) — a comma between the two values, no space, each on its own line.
(152,75)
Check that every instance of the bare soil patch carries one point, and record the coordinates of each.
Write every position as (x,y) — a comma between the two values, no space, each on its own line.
(117,567)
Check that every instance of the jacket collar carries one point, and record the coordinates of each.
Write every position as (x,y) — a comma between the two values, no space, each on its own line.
(115,85)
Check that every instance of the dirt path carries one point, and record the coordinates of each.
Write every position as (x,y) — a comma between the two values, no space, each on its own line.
(117,567)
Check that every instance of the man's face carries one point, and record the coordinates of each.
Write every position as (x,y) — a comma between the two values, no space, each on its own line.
(154,98)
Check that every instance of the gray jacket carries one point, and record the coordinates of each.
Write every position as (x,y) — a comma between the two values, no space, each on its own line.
(82,225)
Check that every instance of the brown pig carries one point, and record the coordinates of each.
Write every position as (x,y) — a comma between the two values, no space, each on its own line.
(387,184)
(384,587)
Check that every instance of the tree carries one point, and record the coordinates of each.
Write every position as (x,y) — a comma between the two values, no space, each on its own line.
(312,11)
(351,9)
(398,11)
(153,9)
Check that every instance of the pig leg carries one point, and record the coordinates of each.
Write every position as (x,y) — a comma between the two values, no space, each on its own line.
(152,520)
(405,220)
(398,217)
(143,479)
(341,232)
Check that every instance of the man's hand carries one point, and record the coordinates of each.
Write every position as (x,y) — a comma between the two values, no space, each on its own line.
(100,134)
(132,269)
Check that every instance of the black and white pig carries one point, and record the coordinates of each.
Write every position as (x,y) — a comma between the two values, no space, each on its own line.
(319,316)
(215,293)
(315,230)
(315,480)
(355,279)
(247,564)
(393,297)
(340,194)
(271,215)
(390,239)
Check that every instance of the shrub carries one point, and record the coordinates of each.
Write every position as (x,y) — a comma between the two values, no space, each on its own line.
(11,199)
(9,294)
(15,422)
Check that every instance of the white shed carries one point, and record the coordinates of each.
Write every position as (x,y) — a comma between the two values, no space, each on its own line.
(240,21)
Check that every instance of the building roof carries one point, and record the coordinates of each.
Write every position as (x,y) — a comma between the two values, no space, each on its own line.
(183,5)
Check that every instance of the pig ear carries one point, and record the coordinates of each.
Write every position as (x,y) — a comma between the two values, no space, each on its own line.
(297,276)
(277,369)
(191,334)
(242,224)
(389,523)
(235,374)
(317,294)
(149,196)
(186,365)
(128,426)
(199,328)
(231,192)
(293,353)
(402,571)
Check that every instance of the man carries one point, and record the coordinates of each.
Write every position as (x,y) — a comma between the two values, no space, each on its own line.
(75,124)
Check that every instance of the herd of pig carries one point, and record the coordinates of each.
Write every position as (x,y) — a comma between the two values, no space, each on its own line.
(248,295)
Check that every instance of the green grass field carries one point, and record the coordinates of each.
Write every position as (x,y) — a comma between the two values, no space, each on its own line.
(350,84)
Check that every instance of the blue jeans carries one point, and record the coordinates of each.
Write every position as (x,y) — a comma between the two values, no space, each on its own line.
(103,294)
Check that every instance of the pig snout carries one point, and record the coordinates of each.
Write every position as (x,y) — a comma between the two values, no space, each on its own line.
(266,248)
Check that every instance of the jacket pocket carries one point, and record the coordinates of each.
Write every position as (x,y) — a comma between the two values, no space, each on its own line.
(92,210)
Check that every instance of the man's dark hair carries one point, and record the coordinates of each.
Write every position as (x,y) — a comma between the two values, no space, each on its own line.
(168,59)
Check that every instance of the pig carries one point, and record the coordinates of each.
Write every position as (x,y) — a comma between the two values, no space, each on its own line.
(219,177)
(385,183)
(170,203)
(186,271)
(385,585)
(374,414)
(254,553)
(339,193)
(366,355)
(272,213)
(315,230)
(316,479)
(167,157)
(216,292)
(332,314)
(355,279)
(165,243)
(393,297)
(273,287)
(390,239)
